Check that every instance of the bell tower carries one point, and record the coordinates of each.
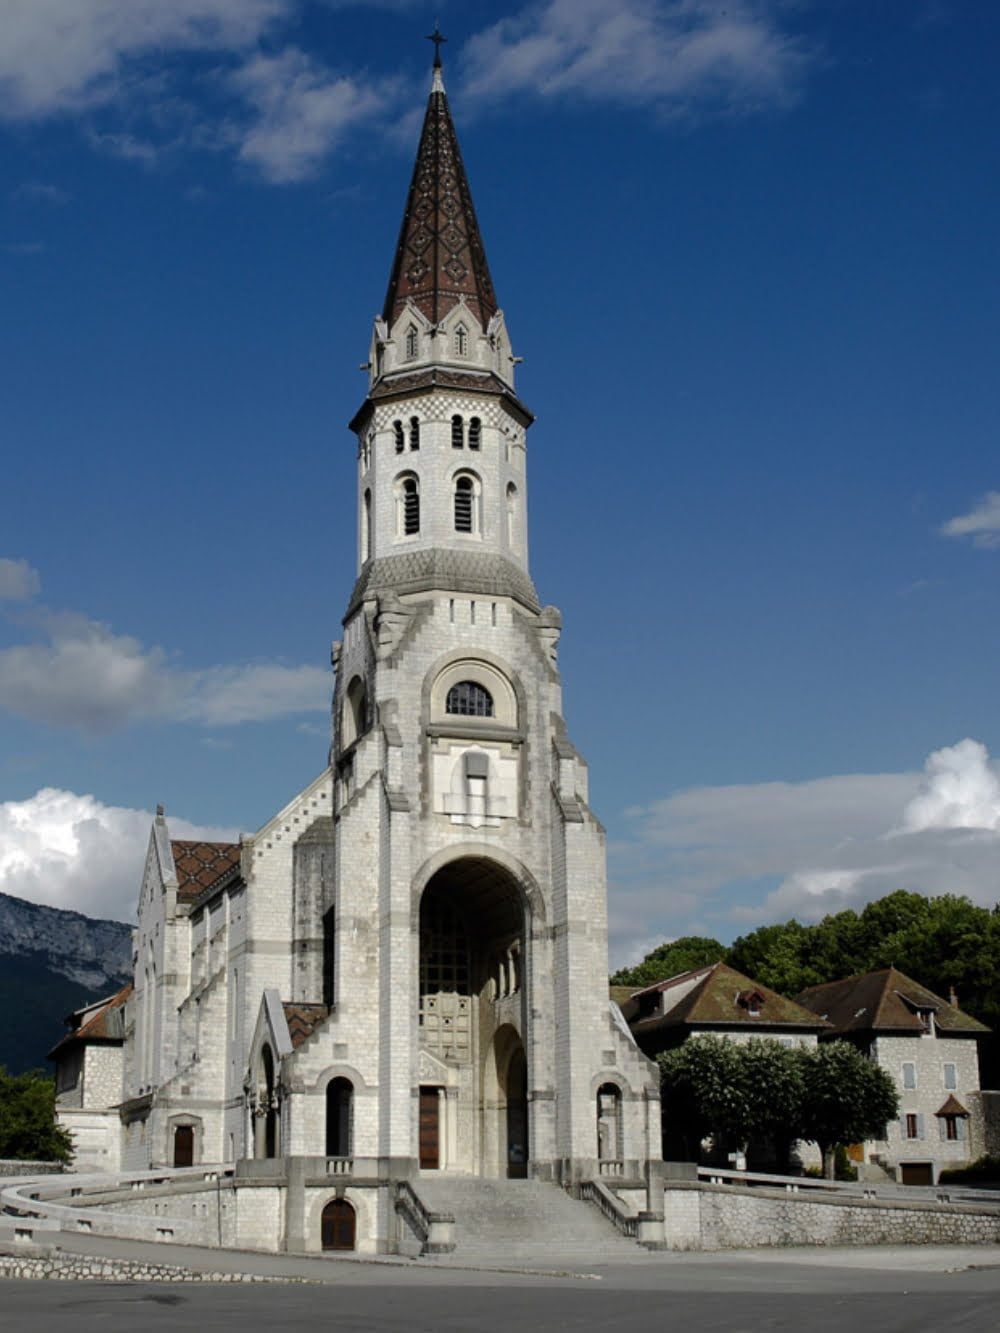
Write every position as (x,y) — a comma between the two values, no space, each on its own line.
(469,936)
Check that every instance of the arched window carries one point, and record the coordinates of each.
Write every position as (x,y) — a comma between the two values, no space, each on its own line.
(511,514)
(411,342)
(457,432)
(461,340)
(414,432)
(465,503)
(475,432)
(339,1118)
(354,721)
(366,521)
(609,1123)
(397,431)
(469,699)
(407,507)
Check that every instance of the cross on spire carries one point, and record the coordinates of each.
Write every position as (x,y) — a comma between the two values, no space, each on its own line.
(437,39)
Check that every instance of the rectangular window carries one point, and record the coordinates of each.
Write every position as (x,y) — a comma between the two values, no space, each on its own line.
(912,1125)
(951,1128)
(909,1074)
(950,1077)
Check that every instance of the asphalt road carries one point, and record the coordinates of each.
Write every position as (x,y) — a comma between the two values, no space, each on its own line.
(742,1295)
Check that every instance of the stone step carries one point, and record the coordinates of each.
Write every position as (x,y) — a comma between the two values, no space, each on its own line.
(521,1221)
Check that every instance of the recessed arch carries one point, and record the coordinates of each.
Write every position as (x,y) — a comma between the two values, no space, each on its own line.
(354,715)
(474,671)
(519,875)
(339,1225)
(339,1117)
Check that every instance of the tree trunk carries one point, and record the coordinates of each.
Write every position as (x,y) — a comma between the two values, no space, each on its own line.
(829,1152)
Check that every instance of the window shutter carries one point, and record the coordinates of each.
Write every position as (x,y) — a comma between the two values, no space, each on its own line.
(942,1127)
(920,1126)
(961,1127)
(902,1126)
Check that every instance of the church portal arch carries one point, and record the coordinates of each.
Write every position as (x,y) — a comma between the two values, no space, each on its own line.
(338,1226)
(474,921)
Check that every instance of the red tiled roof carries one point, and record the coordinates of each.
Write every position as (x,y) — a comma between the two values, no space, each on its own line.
(303,1020)
(884,1001)
(105,1023)
(201,865)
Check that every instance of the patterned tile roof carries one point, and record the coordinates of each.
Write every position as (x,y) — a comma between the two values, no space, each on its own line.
(443,570)
(715,996)
(303,1020)
(440,255)
(202,865)
(885,1001)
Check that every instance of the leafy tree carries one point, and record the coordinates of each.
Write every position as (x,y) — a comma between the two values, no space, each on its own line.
(28,1129)
(846,1098)
(670,959)
(778,956)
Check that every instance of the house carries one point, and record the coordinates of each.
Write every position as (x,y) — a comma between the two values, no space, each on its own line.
(89,1063)
(929,1047)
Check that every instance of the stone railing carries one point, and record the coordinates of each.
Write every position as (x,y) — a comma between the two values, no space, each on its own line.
(340,1166)
(9,1167)
(435,1231)
(857,1189)
(611,1167)
(36,1208)
(617,1212)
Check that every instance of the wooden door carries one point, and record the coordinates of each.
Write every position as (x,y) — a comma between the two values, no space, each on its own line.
(916,1173)
(430,1130)
(338,1225)
(184,1145)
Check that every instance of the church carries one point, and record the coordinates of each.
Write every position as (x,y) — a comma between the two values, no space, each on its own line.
(402,977)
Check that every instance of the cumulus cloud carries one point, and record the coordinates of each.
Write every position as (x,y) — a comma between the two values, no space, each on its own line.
(18,581)
(301,112)
(72,851)
(981,525)
(63,55)
(681,55)
(81,674)
(718,859)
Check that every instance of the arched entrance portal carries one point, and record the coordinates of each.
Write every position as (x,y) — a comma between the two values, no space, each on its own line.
(338,1225)
(472,1014)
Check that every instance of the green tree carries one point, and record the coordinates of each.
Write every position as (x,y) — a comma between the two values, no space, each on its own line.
(28,1129)
(671,958)
(846,1098)
(778,956)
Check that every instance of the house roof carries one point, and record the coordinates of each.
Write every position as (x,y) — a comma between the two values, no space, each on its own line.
(100,1023)
(440,258)
(303,1020)
(952,1107)
(202,865)
(715,997)
(885,1001)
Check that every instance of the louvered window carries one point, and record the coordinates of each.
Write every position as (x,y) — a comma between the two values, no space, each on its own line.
(474,432)
(461,341)
(464,501)
(411,507)
(397,432)
(414,433)
(457,432)
(469,699)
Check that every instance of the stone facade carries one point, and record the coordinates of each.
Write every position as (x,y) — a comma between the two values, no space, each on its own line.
(405,969)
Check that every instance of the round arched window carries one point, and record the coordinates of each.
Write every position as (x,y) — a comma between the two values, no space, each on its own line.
(469,699)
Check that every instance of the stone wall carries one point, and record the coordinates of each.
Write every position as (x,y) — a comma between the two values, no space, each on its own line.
(80,1267)
(10,1166)
(721,1217)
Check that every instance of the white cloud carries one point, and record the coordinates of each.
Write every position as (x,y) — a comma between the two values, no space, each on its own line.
(301,112)
(680,55)
(18,581)
(71,851)
(981,524)
(40,192)
(81,674)
(61,55)
(717,858)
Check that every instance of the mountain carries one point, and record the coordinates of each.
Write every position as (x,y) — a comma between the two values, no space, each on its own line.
(52,962)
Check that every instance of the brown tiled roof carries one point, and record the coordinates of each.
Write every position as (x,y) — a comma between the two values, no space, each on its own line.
(439,255)
(104,1024)
(303,1020)
(717,996)
(202,865)
(952,1107)
(884,1001)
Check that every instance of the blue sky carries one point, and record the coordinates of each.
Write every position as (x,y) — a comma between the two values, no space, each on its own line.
(748,252)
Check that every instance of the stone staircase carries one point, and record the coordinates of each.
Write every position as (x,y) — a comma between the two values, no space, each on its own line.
(523,1223)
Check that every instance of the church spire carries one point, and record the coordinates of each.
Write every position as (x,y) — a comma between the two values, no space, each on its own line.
(440,256)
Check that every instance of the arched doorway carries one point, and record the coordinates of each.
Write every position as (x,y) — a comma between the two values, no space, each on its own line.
(339,1117)
(338,1226)
(184,1145)
(609,1123)
(472,974)
(266,1123)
